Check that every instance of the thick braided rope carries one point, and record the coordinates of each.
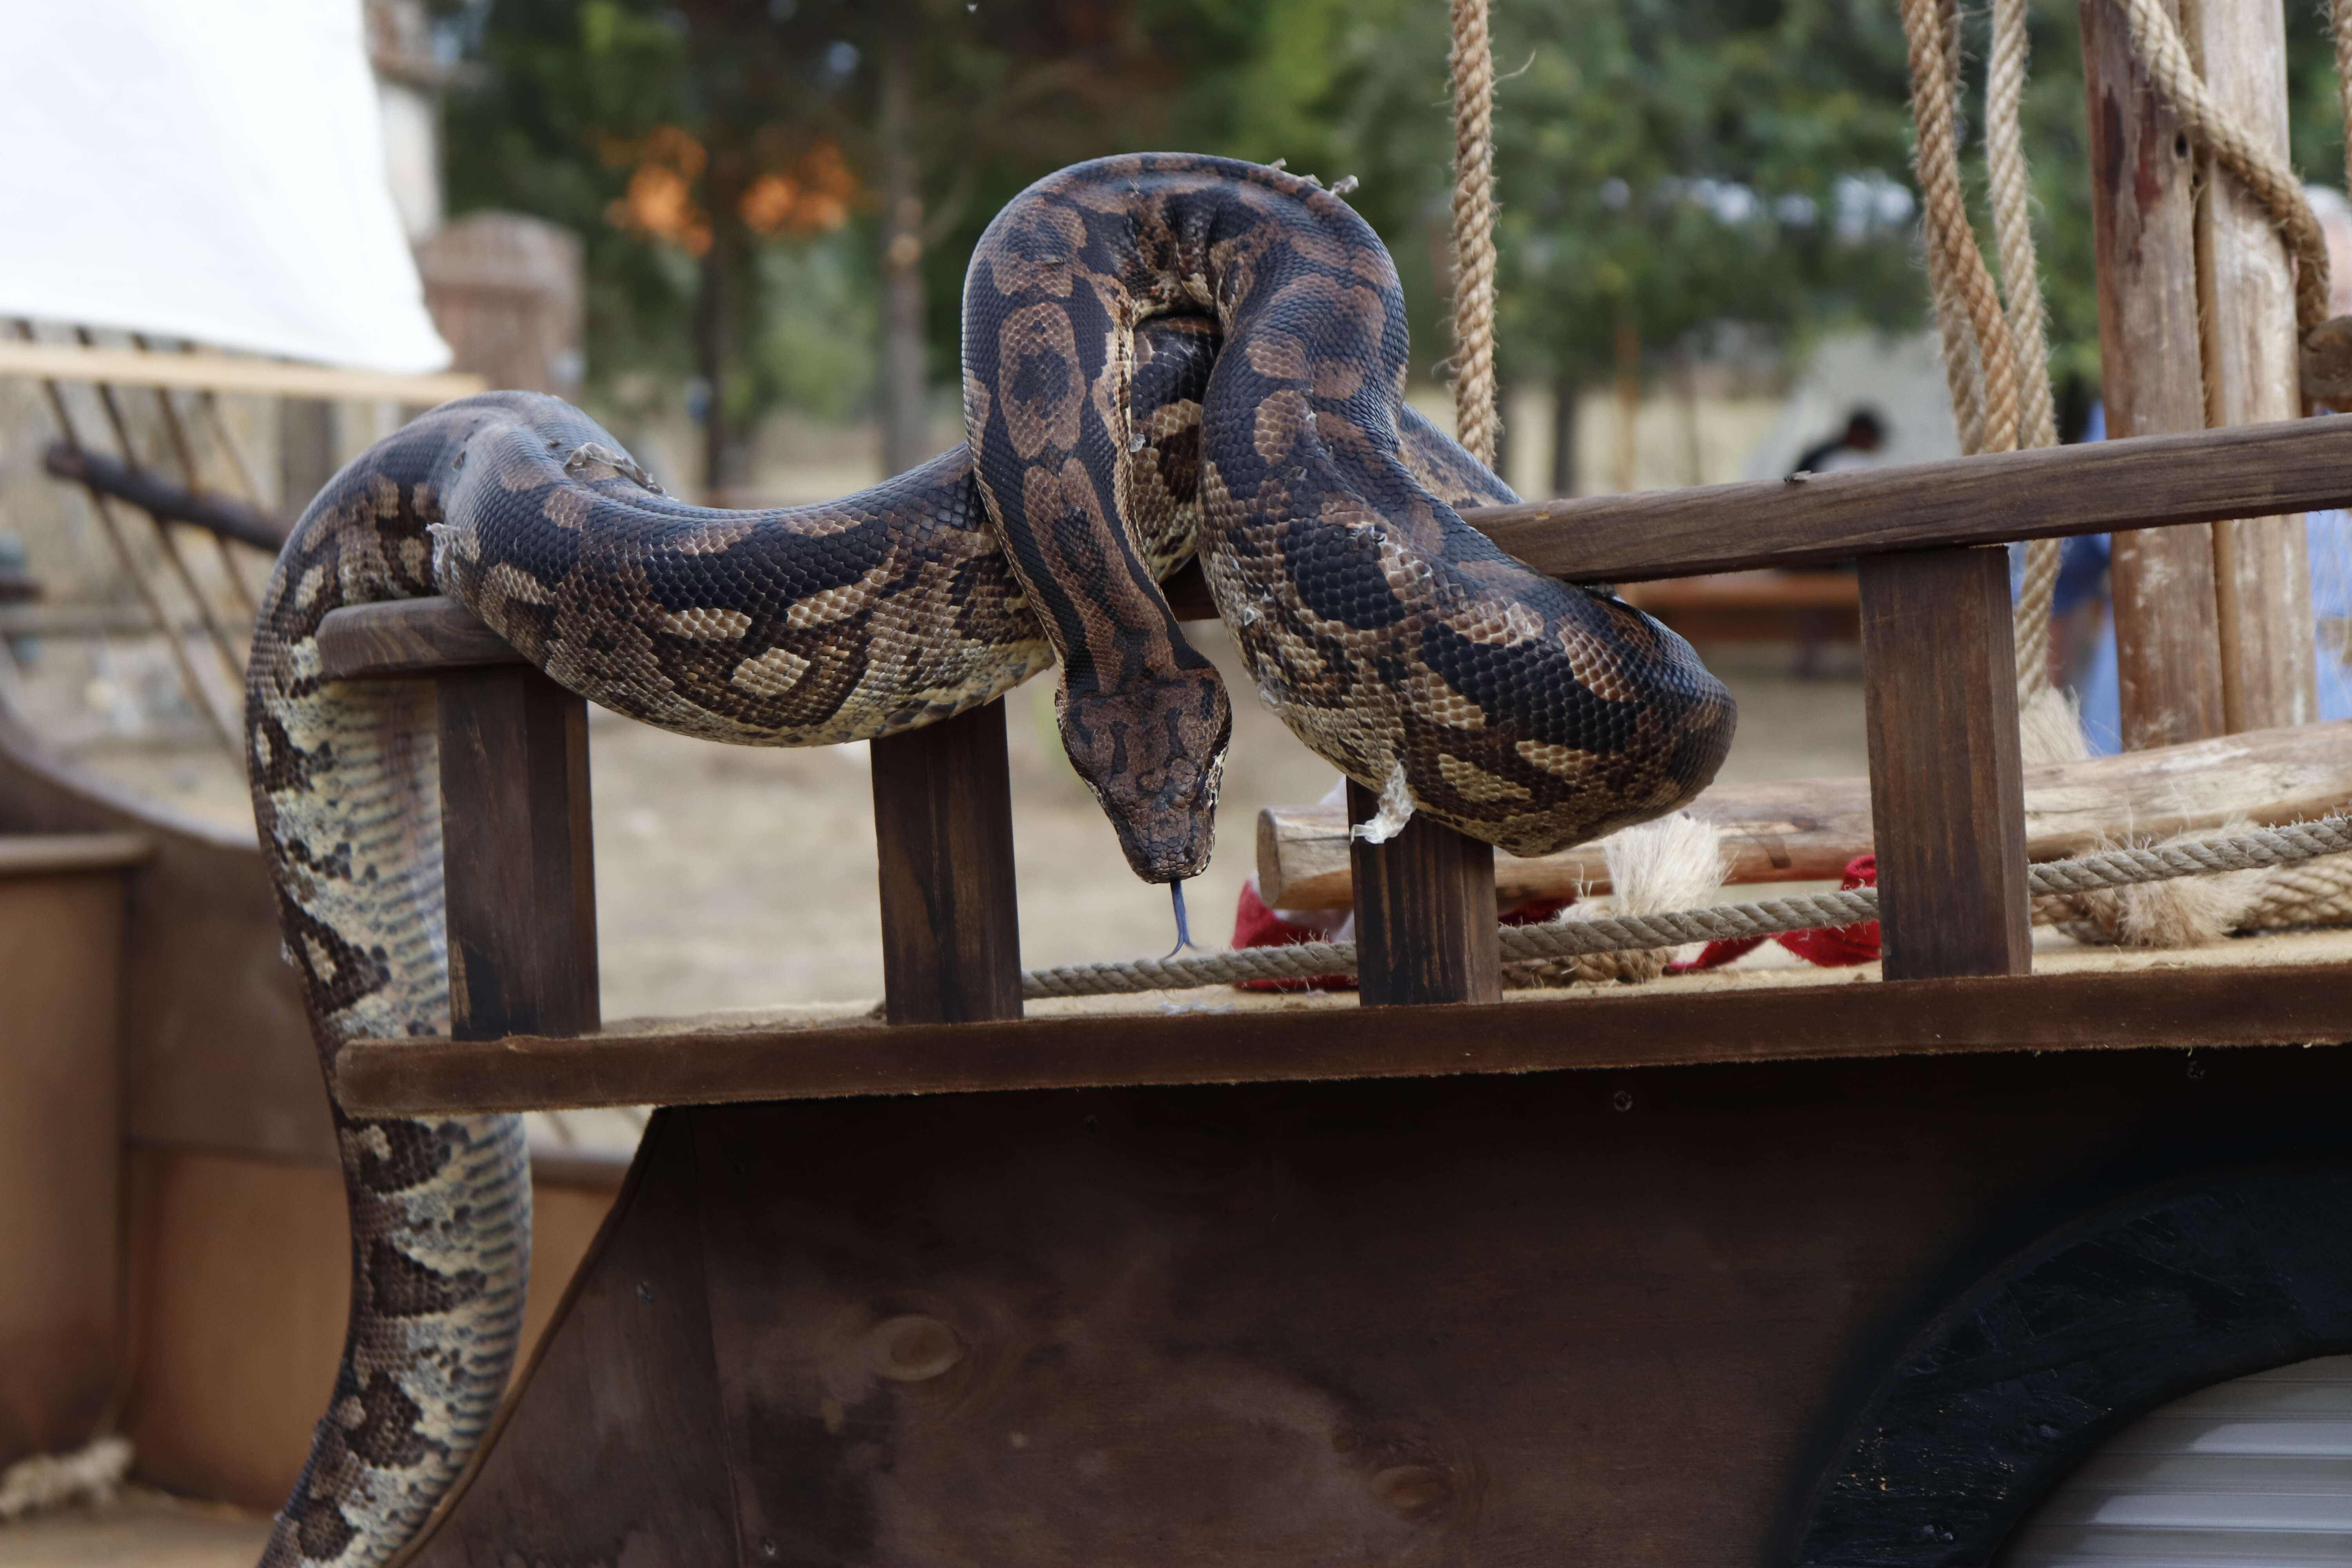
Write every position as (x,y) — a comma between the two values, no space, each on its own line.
(1473,66)
(2010,191)
(2340,25)
(1573,937)
(2158,44)
(1957,275)
(2011,198)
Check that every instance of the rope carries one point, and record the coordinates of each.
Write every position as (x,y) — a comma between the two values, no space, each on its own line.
(2340,25)
(2010,191)
(1473,65)
(2158,47)
(1983,373)
(1575,938)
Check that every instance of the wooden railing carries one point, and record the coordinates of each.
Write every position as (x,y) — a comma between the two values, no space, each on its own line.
(1945,801)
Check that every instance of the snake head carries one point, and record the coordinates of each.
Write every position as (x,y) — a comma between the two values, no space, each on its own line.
(1154,754)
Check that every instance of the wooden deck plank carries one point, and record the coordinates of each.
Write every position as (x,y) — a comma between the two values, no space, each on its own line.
(2138,1007)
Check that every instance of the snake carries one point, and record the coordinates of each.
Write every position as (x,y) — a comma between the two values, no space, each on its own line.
(1165,357)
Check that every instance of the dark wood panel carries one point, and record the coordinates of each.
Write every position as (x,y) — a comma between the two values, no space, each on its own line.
(1424,913)
(1577,1318)
(407,636)
(519,858)
(2167,1007)
(943,835)
(609,1452)
(1946,788)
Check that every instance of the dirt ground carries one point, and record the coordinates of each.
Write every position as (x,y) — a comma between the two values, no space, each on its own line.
(734,876)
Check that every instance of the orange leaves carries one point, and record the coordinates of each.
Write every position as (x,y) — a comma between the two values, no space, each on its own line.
(809,194)
(812,197)
(660,200)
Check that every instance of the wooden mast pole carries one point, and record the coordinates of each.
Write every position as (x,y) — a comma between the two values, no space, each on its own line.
(2261,570)
(2144,226)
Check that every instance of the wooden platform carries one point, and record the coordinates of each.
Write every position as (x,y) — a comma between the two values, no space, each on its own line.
(2274,990)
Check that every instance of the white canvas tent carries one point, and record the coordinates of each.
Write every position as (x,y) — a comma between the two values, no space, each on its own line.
(205,169)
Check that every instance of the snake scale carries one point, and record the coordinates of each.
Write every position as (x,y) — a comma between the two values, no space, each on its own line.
(1163,353)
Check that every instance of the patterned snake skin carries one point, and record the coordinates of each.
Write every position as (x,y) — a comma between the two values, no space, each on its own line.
(1162,353)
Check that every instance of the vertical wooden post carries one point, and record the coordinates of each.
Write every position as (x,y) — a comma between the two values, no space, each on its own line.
(1947,785)
(943,830)
(2143,225)
(1424,913)
(520,865)
(2261,569)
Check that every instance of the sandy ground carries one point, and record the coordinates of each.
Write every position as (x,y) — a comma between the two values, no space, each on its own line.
(734,876)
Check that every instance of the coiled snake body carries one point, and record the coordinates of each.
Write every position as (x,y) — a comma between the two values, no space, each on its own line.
(1162,353)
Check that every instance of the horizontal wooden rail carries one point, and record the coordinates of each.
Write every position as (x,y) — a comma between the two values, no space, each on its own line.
(2148,481)
(1800,830)
(2151,481)
(2172,1008)
(224,373)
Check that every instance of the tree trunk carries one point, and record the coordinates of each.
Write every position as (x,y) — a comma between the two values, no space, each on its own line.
(1565,391)
(905,440)
(726,446)
(2261,574)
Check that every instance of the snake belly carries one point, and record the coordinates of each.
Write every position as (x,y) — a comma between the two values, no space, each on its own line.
(844,621)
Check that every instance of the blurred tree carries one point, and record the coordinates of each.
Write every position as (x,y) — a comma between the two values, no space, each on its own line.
(1666,167)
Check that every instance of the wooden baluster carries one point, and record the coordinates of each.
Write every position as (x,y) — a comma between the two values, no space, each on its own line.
(1424,913)
(943,831)
(520,867)
(1947,787)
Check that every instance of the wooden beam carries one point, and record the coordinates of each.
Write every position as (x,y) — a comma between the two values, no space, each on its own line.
(2245,286)
(167,502)
(2170,1008)
(1803,830)
(1425,913)
(59,854)
(518,856)
(2143,204)
(943,830)
(220,372)
(1946,789)
(2164,481)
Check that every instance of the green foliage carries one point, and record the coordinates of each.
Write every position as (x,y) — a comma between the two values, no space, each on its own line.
(1671,165)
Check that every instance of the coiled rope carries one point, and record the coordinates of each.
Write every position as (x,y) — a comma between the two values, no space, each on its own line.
(1573,937)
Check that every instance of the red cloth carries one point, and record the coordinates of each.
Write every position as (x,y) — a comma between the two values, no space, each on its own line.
(1254,925)
(1831,947)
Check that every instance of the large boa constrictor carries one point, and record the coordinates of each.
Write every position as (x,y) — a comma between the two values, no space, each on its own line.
(1161,353)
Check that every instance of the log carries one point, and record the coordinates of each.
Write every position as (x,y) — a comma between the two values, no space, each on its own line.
(2143,203)
(2261,572)
(1805,830)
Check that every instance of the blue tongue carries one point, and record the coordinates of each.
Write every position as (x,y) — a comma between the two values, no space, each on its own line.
(1183,930)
